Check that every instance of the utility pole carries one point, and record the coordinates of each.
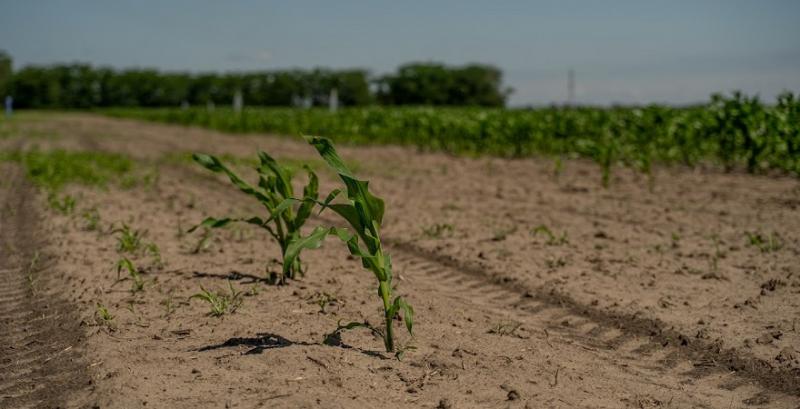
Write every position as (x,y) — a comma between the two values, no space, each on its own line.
(570,87)
(333,100)
(238,101)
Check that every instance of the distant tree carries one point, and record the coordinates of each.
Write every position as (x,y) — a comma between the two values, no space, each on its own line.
(83,86)
(437,84)
(5,73)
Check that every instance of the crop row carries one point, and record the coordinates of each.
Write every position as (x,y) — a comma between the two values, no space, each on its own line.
(733,131)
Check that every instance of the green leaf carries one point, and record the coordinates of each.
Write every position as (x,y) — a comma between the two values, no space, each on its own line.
(369,207)
(334,337)
(408,313)
(325,148)
(213,164)
(281,207)
(283,182)
(312,241)
(331,196)
(310,196)
(214,223)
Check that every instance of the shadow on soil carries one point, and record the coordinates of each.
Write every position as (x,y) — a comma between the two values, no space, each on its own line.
(233,276)
(265,341)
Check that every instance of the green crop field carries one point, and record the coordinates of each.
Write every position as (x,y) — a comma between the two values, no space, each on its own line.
(732,131)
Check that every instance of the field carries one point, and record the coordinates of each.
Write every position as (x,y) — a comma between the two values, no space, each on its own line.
(730,131)
(533,285)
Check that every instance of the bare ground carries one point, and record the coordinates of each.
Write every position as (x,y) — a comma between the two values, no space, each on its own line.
(647,296)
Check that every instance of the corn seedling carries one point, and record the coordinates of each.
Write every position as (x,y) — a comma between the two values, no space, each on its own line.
(676,240)
(766,244)
(64,205)
(31,270)
(364,213)
(285,214)
(103,315)
(558,166)
(127,265)
(552,239)
(91,219)
(152,250)
(438,230)
(169,306)
(129,240)
(323,299)
(220,303)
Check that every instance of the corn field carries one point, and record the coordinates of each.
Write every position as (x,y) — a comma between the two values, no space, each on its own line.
(734,131)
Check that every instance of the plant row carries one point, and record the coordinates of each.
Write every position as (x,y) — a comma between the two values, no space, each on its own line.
(733,131)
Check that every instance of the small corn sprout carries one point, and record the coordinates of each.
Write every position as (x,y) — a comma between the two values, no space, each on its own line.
(220,303)
(552,239)
(766,243)
(438,230)
(129,240)
(65,205)
(104,316)
(127,265)
(91,217)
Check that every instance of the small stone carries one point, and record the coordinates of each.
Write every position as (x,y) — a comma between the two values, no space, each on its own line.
(445,403)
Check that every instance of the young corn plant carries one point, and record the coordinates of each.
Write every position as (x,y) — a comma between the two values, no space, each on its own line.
(91,218)
(220,303)
(129,240)
(285,214)
(103,316)
(364,213)
(136,278)
(64,205)
(552,239)
(765,242)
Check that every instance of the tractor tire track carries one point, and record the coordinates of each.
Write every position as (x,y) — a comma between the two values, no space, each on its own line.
(41,365)
(645,345)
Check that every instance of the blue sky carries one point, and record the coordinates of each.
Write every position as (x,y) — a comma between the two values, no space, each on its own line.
(622,51)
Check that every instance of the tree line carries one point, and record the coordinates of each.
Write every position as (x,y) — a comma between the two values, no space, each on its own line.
(84,86)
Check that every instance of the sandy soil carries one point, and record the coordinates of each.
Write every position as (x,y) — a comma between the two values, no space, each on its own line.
(649,295)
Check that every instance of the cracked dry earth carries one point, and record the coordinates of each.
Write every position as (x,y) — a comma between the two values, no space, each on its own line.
(644,296)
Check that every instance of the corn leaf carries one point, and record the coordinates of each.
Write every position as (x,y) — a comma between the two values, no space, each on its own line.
(310,195)
(312,241)
(368,206)
(213,164)
(283,181)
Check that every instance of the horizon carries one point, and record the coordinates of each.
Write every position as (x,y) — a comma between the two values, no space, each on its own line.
(674,53)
